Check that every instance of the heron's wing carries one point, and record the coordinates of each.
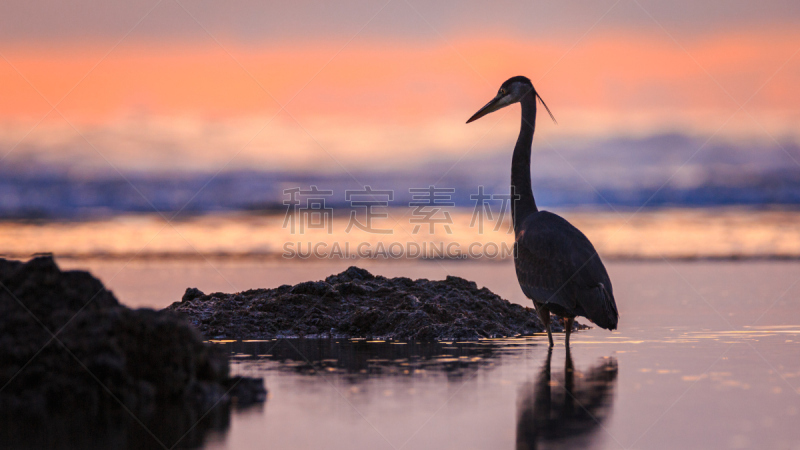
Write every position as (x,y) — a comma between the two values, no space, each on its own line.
(557,264)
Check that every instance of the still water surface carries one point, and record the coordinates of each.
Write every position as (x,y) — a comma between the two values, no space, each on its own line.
(707,356)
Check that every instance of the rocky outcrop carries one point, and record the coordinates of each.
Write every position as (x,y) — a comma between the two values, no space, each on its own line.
(71,351)
(355,304)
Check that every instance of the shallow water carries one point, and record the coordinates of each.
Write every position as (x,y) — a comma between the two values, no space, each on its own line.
(707,356)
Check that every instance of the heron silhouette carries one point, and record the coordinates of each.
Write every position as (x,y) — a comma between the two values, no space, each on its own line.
(557,267)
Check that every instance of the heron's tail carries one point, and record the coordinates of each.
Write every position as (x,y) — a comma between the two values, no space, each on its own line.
(600,308)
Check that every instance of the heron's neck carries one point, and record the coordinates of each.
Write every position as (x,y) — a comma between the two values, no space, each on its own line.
(521,165)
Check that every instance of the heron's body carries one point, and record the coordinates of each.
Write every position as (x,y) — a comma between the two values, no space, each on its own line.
(557,267)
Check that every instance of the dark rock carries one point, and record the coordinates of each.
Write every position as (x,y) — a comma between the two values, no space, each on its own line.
(245,391)
(69,349)
(352,273)
(191,294)
(356,303)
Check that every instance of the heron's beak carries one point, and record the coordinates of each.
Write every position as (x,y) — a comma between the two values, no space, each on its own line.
(490,107)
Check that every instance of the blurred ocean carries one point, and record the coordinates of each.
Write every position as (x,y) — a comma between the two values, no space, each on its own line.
(669,170)
(667,196)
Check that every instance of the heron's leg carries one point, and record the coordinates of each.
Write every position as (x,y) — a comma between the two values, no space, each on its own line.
(568,328)
(544,315)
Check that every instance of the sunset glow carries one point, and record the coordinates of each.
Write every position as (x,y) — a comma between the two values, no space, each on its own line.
(399,81)
(212,99)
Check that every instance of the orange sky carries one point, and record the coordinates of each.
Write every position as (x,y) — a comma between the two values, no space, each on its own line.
(401,81)
(191,104)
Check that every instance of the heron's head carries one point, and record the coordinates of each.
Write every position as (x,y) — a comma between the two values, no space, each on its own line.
(514,90)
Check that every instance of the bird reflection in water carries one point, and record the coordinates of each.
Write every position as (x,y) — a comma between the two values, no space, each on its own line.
(565,410)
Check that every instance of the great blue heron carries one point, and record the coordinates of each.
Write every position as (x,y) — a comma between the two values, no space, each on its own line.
(557,267)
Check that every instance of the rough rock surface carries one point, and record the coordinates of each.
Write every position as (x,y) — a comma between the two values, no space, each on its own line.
(356,304)
(68,347)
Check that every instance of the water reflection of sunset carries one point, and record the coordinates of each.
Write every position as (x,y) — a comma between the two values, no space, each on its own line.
(652,235)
